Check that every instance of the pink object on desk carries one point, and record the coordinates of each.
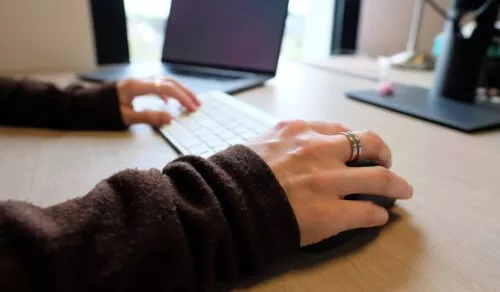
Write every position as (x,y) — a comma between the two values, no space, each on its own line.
(386,88)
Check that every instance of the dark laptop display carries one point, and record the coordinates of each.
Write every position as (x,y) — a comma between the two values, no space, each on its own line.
(225,45)
(233,34)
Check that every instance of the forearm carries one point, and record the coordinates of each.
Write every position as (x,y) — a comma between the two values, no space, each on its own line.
(196,223)
(31,103)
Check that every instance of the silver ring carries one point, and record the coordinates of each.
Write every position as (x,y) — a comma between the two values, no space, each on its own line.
(355,142)
(358,144)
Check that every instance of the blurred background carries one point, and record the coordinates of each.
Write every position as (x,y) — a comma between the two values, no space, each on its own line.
(146,24)
(58,35)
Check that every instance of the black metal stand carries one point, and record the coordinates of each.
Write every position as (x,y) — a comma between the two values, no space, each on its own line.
(452,100)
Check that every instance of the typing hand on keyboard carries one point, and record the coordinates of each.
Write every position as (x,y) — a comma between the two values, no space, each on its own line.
(129,91)
(220,121)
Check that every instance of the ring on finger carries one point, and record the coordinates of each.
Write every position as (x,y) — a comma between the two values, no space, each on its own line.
(356,147)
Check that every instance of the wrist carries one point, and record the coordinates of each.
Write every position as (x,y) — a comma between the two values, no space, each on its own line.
(273,217)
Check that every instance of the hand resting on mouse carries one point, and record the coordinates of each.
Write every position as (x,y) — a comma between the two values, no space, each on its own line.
(309,160)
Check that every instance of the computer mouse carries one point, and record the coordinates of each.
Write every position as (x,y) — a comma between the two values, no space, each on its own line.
(349,236)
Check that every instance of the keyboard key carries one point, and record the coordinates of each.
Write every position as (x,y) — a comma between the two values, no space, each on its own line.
(190,143)
(235,141)
(219,131)
(220,148)
(249,136)
(207,123)
(199,149)
(240,130)
(227,136)
(207,154)
(199,131)
(207,136)
(215,143)
(214,127)
(261,129)
(232,125)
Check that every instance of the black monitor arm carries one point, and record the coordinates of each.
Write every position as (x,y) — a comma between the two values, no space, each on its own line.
(451,101)
(459,65)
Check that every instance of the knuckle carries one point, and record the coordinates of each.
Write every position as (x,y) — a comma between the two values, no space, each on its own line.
(282,124)
(375,139)
(292,126)
(384,178)
(315,146)
(338,127)
(127,84)
(297,125)
(310,147)
(169,83)
(302,152)
(175,83)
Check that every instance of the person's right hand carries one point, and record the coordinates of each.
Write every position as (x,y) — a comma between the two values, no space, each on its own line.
(309,160)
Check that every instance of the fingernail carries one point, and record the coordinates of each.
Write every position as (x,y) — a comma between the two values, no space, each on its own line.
(410,191)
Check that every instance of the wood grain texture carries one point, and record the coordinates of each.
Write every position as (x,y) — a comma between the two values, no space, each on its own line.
(445,239)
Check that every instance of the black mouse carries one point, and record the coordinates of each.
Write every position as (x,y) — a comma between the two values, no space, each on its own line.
(348,236)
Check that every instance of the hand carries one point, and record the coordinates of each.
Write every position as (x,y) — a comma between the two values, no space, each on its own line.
(164,88)
(309,160)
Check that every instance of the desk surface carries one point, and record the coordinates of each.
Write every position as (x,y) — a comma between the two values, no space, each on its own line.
(446,239)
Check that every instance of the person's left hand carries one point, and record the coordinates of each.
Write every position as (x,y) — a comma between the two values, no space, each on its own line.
(163,88)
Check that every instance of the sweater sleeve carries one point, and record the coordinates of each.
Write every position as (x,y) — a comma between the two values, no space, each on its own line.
(31,103)
(196,223)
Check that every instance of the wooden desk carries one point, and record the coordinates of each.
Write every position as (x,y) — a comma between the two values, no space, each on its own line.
(446,239)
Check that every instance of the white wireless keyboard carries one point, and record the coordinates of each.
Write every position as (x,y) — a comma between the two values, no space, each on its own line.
(221,121)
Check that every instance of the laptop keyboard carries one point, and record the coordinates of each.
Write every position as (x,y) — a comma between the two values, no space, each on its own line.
(221,121)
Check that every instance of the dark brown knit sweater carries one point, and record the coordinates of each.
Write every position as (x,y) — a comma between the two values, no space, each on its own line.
(183,228)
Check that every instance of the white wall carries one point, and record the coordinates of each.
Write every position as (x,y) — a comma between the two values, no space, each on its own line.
(318,30)
(385,25)
(46,35)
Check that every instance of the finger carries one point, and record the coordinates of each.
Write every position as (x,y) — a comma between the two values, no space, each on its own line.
(376,180)
(155,118)
(169,88)
(360,214)
(137,87)
(326,128)
(164,89)
(372,148)
(188,92)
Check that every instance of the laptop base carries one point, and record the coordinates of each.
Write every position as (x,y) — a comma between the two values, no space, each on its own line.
(199,80)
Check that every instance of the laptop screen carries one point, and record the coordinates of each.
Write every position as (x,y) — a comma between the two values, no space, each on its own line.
(234,34)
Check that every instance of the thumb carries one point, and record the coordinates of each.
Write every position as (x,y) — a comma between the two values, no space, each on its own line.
(155,118)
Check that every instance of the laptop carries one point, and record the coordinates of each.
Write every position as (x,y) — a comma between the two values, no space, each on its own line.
(222,45)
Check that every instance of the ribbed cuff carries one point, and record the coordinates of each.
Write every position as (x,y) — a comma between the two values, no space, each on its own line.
(273,216)
(96,108)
